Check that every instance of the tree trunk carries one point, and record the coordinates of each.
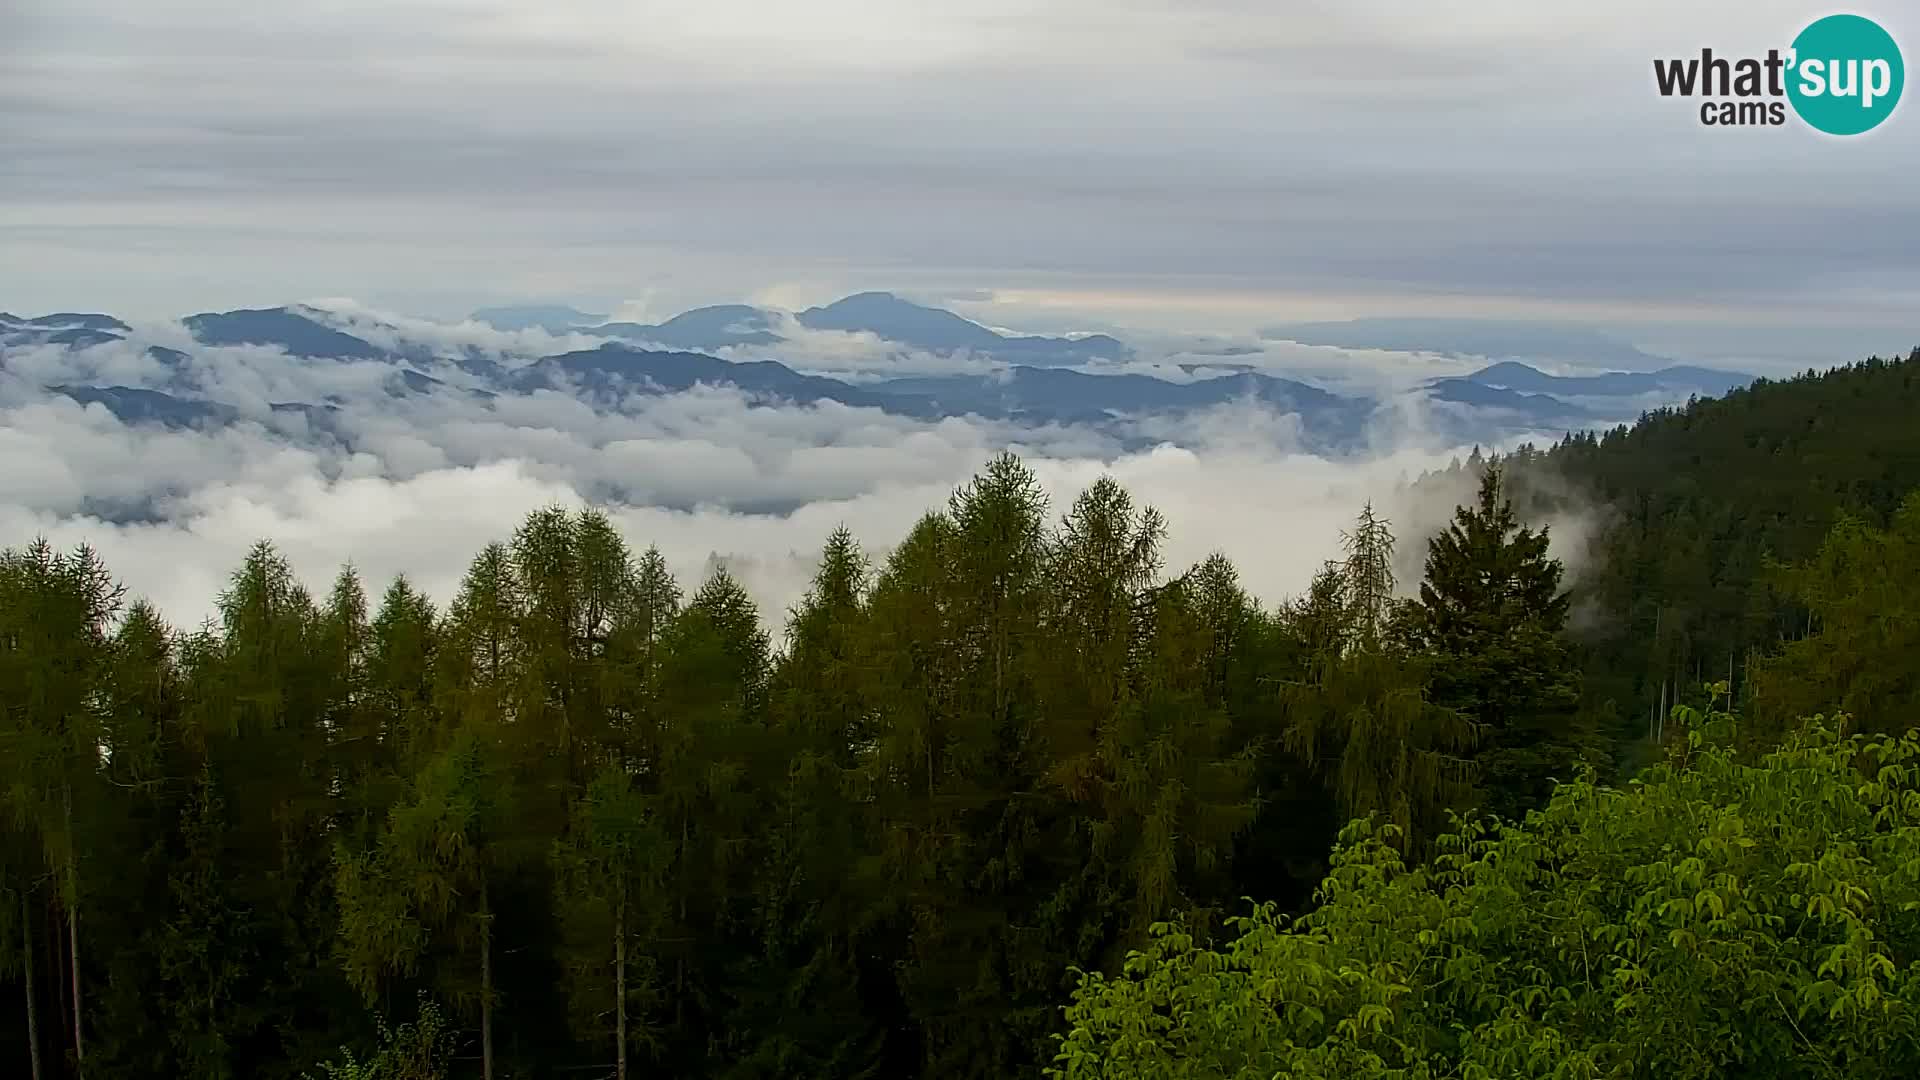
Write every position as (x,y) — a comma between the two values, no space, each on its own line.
(620,989)
(486,996)
(57,958)
(73,939)
(26,952)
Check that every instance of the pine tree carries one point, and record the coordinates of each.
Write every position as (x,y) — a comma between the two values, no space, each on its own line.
(1489,624)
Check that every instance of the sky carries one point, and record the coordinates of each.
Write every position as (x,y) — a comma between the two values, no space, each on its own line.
(1200,167)
(1050,164)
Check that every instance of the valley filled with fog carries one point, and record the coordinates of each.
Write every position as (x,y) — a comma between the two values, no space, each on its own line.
(743,436)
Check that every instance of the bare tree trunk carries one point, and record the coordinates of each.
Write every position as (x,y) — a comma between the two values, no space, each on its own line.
(486,997)
(73,939)
(1663,708)
(57,958)
(26,952)
(620,988)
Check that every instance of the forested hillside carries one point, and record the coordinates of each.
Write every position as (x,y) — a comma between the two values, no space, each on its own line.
(586,820)
(1696,504)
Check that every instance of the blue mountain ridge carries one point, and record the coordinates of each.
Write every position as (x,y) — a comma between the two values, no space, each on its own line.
(281,327)
(1037,393)
(939,331)
(80,320)
(1541,408)
(1518,377)
(716,327)
(141,407)
(902,322)
(1029,394)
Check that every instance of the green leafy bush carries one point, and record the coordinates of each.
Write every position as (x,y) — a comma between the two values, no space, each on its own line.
(418,1050)
(1718,917)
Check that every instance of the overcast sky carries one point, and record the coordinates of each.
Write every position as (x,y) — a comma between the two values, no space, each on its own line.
(1202,164)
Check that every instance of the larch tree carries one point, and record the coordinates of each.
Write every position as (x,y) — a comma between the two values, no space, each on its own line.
(799,994)
(426,883)
(1358,709)
(54,652)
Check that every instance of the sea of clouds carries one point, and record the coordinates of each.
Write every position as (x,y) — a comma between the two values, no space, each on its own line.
(707,476)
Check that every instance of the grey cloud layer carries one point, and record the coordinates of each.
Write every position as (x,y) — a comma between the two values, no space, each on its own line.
(703,474)
(1503,149)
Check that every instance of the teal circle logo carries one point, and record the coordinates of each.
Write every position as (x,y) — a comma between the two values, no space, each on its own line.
(1846,75)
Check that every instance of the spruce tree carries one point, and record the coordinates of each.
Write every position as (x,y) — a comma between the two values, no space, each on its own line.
(1489,624)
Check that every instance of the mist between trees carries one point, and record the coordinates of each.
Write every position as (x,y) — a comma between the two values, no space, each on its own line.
(582,822)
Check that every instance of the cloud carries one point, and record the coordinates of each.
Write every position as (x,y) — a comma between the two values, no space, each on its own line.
(1277,515)
(416,484)
(1423,510)
(853,355)
(1388,154)
(394,331)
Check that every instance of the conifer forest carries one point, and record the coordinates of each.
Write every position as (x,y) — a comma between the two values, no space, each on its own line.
(1018,799)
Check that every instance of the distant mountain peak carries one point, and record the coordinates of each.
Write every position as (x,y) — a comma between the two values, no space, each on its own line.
(284,328)
(714,327)
(938,330)
(887,315)
(79,320)
(874,299)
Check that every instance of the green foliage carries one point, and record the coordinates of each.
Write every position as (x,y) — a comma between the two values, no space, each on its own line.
(1866,619)
(420,1049)
(609,878)
(614,827)
(1358,712)
(1488,623)
(428,874)
(1685,510)
(1717,917)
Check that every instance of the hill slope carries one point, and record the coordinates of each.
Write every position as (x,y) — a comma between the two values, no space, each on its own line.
(1694,501)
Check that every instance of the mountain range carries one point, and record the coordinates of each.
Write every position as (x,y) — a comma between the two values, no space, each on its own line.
(884,315)
(1679,379)
(1021,379)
